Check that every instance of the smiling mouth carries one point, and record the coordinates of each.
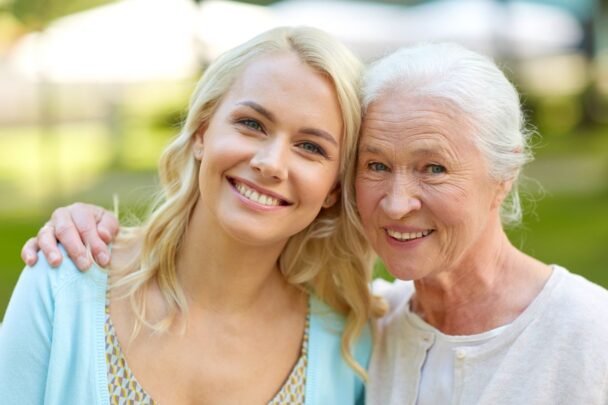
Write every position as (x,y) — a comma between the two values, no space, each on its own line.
(256,196)
(407,236)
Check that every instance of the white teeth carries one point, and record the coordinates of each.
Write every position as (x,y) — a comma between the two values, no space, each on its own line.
(404,236)
(255,196)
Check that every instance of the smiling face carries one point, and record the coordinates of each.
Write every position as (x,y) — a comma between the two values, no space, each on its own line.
(423,190)
(271,152)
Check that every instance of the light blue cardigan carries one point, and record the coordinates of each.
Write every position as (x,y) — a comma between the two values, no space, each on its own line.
(52,343)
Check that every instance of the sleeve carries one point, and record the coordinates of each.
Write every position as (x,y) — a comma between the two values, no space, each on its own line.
(25,337)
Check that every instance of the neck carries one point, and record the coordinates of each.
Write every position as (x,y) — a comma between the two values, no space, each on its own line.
(488,288)
(221,274)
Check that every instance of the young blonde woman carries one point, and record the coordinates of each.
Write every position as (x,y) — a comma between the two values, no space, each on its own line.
(249,281)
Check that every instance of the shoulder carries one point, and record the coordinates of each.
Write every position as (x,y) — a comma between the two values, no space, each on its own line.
(49,321)
(579,298)
(567,338)
(574,293)
(44,283)
(43,277)
(579,302)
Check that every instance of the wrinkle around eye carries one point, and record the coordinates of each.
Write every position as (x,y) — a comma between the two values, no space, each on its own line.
(429,169)
(377,167)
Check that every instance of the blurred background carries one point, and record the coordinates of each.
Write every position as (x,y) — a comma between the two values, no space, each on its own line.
(91,91)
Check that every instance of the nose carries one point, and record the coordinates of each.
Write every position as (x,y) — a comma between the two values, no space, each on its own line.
(271,160)
(401,199)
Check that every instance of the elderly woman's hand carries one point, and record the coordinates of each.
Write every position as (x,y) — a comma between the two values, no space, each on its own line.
(75,227)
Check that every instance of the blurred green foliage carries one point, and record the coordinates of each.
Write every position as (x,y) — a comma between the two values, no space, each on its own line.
(37,14)
(567,224)
(92,161)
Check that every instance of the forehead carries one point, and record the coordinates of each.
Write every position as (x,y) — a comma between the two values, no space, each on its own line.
(282,74)
(410,123)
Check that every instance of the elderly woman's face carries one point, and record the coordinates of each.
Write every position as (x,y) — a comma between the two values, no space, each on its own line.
(423,190)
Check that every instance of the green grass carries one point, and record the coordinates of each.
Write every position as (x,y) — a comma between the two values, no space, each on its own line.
(570,230)
(14,232)
(568,226)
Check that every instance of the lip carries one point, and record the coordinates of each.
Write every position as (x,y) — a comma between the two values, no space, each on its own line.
(283,202)
(406,228)
(407,244)
(261,190)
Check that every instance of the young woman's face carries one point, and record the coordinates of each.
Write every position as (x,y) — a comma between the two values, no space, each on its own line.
(271,151)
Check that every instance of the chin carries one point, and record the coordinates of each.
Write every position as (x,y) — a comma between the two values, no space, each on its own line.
(252,237)
(409,272)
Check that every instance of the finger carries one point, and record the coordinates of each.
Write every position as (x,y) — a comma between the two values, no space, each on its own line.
(86,218)
(48,244)
(67,233)
(108,226)
(29,253)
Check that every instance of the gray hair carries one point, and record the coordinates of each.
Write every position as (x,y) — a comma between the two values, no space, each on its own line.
(476,86)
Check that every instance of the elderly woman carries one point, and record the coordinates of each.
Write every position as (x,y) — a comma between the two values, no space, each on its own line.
(442,145)
(482,323)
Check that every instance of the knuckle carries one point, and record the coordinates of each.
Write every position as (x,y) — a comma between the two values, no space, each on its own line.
(63,229)
(44,230)
(44,244)
(58,212)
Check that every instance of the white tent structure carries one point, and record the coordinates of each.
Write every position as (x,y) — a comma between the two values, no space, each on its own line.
(127,41)
(143,40)
(515,28)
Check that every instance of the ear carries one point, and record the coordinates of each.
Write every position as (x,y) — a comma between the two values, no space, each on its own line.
(332,197)
(198,144)
(502,190)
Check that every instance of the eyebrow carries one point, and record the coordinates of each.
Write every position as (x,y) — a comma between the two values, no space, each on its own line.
(270,116)
(370,149)
(251,104)
(320,133)
(427,152)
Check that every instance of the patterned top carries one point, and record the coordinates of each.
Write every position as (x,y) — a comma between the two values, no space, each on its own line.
(125,390)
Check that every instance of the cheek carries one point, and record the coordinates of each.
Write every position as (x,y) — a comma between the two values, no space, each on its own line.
(361,198)
(222,150)
(459,219)
(368,195)
(314,183)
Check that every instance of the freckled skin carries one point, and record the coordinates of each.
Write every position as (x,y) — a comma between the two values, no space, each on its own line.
(418,166)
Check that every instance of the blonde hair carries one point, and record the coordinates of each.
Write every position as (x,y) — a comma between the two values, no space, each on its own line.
(330,257)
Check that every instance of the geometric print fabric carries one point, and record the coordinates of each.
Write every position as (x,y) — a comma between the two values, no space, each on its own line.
(125,390)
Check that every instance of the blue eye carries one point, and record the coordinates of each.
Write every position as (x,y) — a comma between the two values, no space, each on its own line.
(377,167)
(312,148)
(253,124)
(435,169)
